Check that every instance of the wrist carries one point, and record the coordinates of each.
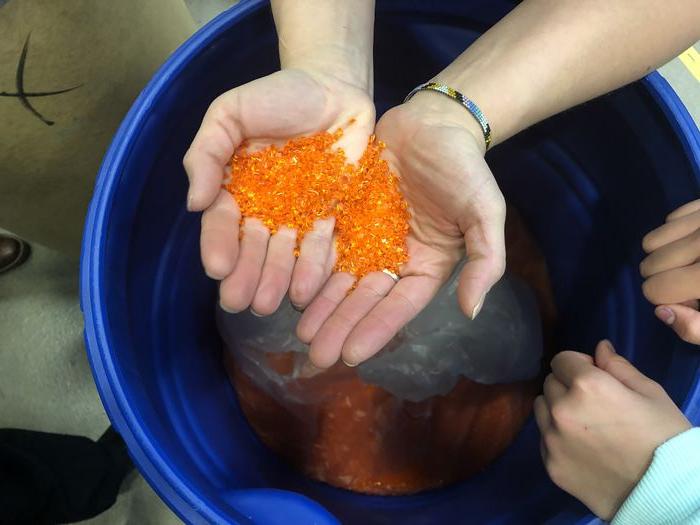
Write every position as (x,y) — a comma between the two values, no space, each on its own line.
(437,109)
(489,99)
(346,64)
(330,37)
(485,75)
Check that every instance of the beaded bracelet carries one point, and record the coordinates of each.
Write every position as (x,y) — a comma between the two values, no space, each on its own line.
(473,109)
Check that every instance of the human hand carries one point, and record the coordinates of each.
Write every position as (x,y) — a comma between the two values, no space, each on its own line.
(438,153)
(601,421)
(259,270)
(672,272)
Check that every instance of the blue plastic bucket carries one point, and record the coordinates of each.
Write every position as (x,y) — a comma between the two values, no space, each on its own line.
(588,183)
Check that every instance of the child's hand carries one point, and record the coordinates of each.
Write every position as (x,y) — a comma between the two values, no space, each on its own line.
(672,271)
(601,421)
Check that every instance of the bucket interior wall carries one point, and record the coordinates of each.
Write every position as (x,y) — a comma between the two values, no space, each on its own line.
(589,184)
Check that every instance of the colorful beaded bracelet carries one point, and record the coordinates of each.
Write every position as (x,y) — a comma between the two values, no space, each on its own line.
(473,109)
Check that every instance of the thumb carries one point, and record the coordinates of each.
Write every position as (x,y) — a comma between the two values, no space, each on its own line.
(684,320)
(606,358)
(486,261)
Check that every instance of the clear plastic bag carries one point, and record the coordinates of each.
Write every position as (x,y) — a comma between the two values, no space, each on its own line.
(439,403)
(425,359)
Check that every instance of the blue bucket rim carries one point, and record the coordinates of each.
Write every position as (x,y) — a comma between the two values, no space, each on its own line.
(163,478)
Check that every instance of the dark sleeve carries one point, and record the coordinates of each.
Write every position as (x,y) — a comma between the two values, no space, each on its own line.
(56,478)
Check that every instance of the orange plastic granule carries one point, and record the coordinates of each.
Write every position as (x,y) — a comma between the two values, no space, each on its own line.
(306,180)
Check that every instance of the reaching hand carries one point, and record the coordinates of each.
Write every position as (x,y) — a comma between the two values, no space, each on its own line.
(601,421)
(672,271)
(437,151)
(259,270)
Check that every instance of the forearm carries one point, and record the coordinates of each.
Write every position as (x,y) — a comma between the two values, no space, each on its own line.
(669,492)
(331,36)
(549,55)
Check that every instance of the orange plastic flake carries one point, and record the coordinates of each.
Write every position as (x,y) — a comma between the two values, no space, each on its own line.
(306,180)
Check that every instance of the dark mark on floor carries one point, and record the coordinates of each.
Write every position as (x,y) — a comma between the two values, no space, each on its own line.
(23,95)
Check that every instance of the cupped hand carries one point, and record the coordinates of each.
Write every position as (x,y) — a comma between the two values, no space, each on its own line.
(672,271)
(601,421)
(438,152)
(260,269)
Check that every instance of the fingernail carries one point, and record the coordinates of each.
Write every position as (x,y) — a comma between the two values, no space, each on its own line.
(297,307)
(665,314)
(190,199)
(349,365)
(478,307)
(227,310)
(309,370)
(607,344)
(256,314)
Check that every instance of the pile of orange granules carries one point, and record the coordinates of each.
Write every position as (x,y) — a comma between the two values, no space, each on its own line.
(307,180)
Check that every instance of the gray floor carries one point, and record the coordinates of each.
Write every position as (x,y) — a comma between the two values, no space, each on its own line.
(42,351)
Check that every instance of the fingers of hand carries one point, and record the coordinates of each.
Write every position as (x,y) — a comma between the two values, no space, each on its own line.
(406,299)
(573,368)
(238,289)
(550,435)
(542,417)
(276,273)
(327,344)
(621,369)
(673,286)
(210,151)
(323,305)
(355,135)
(604,353)
(671,269)
(314,265)
(686,209)
(485,246)
(675,254)
(561,412)
(553,389)
(685,321)
(219,236)
(672,231)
